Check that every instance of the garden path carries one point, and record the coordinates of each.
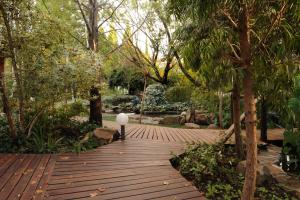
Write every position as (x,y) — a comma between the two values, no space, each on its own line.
(137,168)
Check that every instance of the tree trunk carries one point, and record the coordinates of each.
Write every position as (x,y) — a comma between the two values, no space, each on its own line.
(221,110)
(92,27)
(6,106)
(143,99)
(264,120)
(249,107)
(95,107)
(236,118)
(15,68)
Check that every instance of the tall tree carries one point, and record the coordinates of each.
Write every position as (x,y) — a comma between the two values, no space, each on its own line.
(6,106)
(245,45)
(91,19)
(9,13)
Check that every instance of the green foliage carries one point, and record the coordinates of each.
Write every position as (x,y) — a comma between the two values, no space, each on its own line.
(213,170)
(155,96)
(128,78)
(54,132)
(179,94)
(69,110)
(294,104)
(209,101)
(291,142)
(119,99)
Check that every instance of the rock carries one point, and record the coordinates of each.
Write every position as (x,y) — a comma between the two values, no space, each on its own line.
(241,167)
(170,119)
(272,170)
(183,114)
(201,119)
(106,134)
(182,121)
(212,126)
(190,115)
(116,109)
(191,125)
(261,177)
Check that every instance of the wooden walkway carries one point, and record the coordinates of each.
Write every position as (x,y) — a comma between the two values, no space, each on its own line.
(137,168)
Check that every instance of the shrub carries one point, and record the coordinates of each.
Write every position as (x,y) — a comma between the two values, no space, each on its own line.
(155,97)
(213,170)
(117,100)
(291,142)
(179,94)
(53,132)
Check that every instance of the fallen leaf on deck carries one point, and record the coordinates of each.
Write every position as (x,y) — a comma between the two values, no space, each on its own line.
(39,191)
(64,158)
(33,182)
(93,194)
(166,183)
(100,189)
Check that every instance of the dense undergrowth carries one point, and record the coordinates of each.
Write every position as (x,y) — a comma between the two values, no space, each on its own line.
(54,132)
(212,168)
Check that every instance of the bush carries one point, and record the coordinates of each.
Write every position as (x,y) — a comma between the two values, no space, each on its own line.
(155,96)
(213,170)
(291,142)
(54,132)
(179,94)
(210,103)
(117,100)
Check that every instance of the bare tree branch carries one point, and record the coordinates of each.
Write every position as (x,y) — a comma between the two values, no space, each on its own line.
(83,16)
(185,72)
(112,14)
(228,16)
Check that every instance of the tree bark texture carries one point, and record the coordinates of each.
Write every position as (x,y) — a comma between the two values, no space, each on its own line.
(6,106)
(249,107)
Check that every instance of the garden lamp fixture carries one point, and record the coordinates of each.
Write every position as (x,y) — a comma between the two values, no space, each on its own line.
(122,120)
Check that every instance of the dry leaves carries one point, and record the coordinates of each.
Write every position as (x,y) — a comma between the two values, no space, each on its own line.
(93,194)
(39,191)
(101,189)
(64,157)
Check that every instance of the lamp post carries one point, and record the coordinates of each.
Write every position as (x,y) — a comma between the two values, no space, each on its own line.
(122,120)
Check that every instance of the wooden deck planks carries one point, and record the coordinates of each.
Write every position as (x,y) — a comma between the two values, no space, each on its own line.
(22,176)
(147,176)
(137,168)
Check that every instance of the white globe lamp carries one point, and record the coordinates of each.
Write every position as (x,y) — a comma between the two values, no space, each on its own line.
(122,120)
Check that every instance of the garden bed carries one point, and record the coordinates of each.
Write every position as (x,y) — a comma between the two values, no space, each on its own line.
(213,170)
